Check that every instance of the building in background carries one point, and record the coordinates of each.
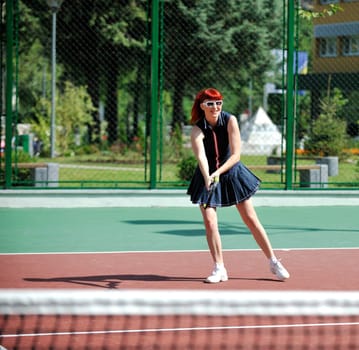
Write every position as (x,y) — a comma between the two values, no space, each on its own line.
(336,39)
(335,51)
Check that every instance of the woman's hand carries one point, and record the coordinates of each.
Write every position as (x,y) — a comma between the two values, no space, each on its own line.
(208,180)
(214,177)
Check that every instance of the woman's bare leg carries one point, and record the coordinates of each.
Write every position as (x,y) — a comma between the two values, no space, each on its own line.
(212,234)
(219,273)
(250,218)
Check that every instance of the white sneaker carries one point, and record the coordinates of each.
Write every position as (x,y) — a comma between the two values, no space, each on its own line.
(218,275)
(279,270)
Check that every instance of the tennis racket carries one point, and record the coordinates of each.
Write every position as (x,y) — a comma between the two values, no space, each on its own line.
(211,190)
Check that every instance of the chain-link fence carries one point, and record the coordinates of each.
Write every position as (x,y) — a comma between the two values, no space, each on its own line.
(328,111)
(101,91)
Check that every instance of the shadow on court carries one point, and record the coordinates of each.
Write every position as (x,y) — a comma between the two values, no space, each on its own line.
(237,228)
(114,281)
(311,269)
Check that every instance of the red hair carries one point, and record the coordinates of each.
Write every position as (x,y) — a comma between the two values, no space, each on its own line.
(205,94)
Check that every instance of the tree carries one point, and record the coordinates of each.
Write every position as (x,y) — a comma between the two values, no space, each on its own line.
(98,43)
(34,69)
(350,113)
(74,114)
(328,134)
(223,48)
(122,28)
(103,45)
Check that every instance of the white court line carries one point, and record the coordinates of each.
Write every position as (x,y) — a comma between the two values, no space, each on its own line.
(58,198)
(180,251)
(148,330)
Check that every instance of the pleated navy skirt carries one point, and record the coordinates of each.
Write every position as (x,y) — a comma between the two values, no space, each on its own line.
(235,186)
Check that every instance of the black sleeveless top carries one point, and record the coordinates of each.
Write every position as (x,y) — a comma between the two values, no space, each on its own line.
(216,142)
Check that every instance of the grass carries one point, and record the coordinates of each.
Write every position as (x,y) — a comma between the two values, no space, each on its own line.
(130,171)
(168,173)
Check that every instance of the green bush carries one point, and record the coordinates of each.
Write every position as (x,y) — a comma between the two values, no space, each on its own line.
(73,116)
(21,156)
(328,134)
(186,168)
(19,175)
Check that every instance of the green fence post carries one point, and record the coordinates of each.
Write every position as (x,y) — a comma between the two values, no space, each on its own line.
(154,93)
(290,97)
(9,88)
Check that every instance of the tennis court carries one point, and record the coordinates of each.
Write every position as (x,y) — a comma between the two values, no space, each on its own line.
(163,248)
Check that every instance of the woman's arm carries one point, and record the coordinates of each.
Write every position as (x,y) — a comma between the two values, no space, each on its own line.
(200,154)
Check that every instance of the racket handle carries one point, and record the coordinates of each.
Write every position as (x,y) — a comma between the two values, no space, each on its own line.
(211,190)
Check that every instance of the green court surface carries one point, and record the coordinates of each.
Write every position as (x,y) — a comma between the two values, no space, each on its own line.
(42,230)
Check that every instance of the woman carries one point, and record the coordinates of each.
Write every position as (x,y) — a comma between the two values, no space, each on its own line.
(216,144)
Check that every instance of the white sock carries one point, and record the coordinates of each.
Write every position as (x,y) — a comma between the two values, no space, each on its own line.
(219,266)
(273,260)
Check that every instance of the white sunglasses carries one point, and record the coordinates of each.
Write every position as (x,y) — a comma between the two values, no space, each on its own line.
(213,103)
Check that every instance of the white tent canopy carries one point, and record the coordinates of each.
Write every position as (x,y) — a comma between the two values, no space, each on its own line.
(259,136)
